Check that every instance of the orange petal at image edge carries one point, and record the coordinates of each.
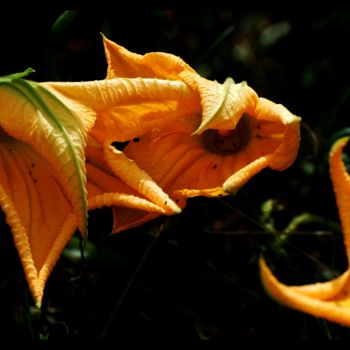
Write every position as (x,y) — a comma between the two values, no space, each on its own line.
(42,174)
(308,299)
(341,186)
(329,300)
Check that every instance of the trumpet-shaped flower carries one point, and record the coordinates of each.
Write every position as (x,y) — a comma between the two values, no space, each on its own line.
(209,141)
(187,136)
(329,300)
(43,184)
(42,173)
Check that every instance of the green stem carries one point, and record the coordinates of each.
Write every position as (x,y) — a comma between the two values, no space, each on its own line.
(306,218)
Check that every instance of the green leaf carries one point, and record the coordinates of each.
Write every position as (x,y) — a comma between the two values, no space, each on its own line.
(17,75)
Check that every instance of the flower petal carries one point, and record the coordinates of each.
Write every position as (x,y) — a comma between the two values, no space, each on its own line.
(108,199)
(223,104)
(129,107)
(242,176)
(341,185)
(204,141)
(106,189)
(36,208)
(329,300)
(125,219)
(123,63)
(180,163)
(129,172)
(287,150)
(325,290)
(309,300)
(34,115)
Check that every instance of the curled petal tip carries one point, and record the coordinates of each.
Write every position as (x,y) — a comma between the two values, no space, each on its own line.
(241,177)
(174,208)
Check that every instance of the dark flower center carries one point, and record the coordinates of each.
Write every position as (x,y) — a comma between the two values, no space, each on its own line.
(228,141)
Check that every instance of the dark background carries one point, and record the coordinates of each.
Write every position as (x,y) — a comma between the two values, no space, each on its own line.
(195,276)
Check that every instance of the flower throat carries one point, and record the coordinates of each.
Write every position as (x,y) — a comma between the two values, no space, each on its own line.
(228,141)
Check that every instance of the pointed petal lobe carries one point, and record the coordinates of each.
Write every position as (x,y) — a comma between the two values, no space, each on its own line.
(335,310)
(36,209)
(123,63)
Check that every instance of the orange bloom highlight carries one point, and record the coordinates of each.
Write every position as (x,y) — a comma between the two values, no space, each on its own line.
(48,163)
(329,300)
(203,139)
(113,178)
(42,173)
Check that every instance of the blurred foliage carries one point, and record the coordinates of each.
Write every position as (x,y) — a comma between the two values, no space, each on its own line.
(194,276)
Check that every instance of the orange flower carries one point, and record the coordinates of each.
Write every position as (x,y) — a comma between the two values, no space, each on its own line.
(42,173)
(329,300)
(209,143)
(43,185)
(187,136)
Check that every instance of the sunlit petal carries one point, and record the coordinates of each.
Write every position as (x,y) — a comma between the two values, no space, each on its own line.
(289,138)
(312,300)
(224,104)
(32,114)
(208,141)
(123,63)
(341,185)
(329,300)
(130,173)
(36,208)
(105,172)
